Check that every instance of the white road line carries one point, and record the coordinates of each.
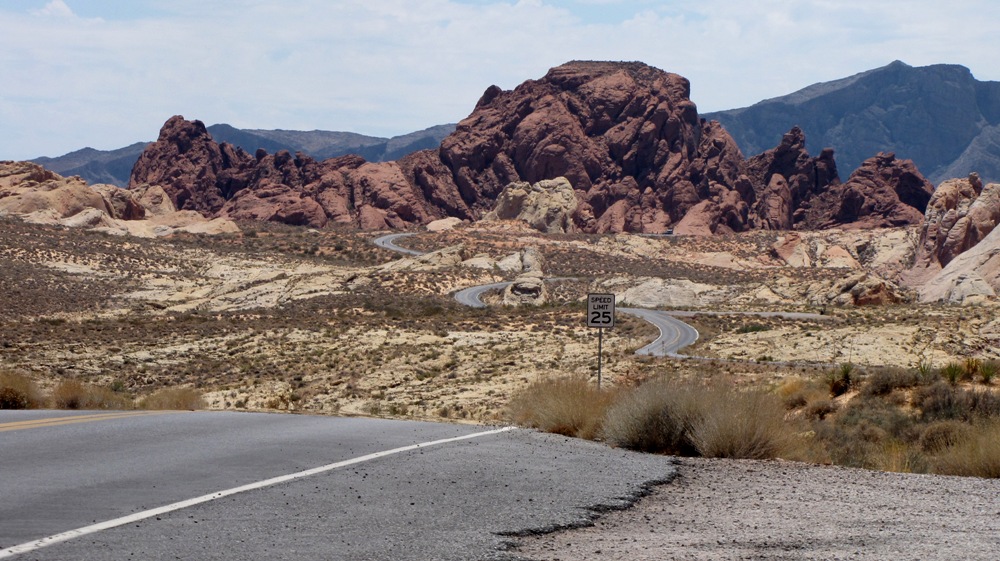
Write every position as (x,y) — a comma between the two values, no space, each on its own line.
(100,526)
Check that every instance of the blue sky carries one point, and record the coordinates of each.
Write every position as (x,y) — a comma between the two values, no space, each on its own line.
(106,73)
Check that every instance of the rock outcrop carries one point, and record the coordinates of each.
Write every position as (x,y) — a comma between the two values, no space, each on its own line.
(546,206)
(527,289)
(961,213)
(41,196)
(625,136)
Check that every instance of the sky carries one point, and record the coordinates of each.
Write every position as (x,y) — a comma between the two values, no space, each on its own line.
(107,73)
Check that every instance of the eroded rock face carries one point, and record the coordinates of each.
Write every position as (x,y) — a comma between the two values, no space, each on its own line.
(546,206)
(961,213)
(884,192)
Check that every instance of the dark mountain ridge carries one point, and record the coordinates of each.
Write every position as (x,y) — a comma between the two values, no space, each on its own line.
(940,116)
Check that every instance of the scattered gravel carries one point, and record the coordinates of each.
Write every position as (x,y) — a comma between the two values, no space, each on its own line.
(738,509)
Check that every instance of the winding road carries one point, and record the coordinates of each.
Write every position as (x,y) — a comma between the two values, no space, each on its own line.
(674,333)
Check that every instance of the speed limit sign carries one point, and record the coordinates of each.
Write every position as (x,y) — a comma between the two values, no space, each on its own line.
(600,310)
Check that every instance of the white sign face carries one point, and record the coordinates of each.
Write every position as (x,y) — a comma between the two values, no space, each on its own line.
(600,310)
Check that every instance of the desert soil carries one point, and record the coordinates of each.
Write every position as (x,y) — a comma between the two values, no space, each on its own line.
(741,509)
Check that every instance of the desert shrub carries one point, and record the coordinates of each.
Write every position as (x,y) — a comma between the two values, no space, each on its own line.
(952,372)
(978,455)
(17,391)
(69,394)
(174,399)
(72,394)
(970,368)
(870,433)
(988,370)
(655,417)
(796,392)
(740,424)
(939,435)
(941,401)
(818,410)
(569,406)
(752,328)
(840,380)
(884,380)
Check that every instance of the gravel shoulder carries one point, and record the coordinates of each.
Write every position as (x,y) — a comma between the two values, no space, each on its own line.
(738,509)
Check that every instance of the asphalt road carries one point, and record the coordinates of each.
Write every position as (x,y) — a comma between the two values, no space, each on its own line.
(674,333)
(473,296)
(63,471)
(389,242)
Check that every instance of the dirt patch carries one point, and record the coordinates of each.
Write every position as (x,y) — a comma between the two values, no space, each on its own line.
(740,509)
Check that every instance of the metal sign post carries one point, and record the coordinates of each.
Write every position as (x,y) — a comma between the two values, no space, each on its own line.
(600,314)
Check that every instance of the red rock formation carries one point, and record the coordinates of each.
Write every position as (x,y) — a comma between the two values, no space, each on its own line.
(884,192)
(625,135)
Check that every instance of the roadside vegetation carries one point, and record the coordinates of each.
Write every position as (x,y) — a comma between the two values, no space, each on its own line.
(18,391)
(920,420)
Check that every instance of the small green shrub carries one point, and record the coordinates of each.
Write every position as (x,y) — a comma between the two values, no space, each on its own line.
(952,372)
(988,370)
(840,380)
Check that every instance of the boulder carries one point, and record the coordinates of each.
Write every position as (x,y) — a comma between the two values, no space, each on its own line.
(527,289)
(547,206)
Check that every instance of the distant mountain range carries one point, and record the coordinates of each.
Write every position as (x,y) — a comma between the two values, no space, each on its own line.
(939,116)
(115,166)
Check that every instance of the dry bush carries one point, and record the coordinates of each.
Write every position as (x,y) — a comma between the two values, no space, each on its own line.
(978,455)
(884,380)
(71,394)
(798,392)
(17,391)
(942,434)
(174,399)
(655,417)
(567,406)
(746,424)
(942,401)
(712,421)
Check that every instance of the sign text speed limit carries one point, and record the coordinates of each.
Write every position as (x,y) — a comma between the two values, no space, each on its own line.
(600,310)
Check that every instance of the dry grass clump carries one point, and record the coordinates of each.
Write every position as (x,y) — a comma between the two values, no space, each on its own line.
(567,406)
(654,417)
(72,394)
(977,454)
(174,399)
(740,424)
(17,391)
(660,416)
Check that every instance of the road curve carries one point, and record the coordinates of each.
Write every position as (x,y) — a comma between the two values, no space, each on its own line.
(362,488)
(473,296)
(674,333)
(389,242)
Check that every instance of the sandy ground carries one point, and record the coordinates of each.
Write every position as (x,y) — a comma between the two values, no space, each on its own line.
(736,509)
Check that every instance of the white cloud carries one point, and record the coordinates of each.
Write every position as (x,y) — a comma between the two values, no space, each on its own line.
(55,8)
(392,66)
